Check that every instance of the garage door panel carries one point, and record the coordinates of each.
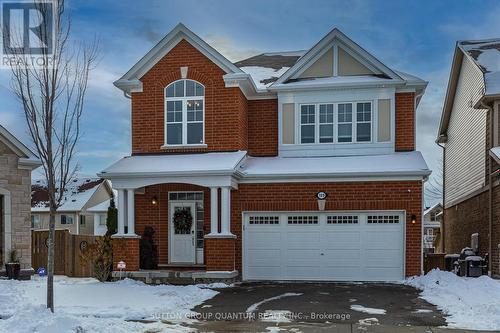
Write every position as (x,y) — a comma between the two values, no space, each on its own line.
(264,239)
(353,246)
(342,239)
(342,257)
(263,272)
(302,240)
(264,257)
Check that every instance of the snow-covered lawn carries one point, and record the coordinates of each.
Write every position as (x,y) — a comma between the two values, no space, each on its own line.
(472,303)
(86,305)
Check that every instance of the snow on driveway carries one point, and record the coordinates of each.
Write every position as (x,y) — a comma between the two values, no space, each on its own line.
(361,308)
(470,303)
(97,307)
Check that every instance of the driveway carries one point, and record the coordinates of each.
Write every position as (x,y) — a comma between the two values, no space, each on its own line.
(318,307)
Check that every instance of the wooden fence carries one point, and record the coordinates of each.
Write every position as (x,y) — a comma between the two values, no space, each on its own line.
(67,250)
(433,260)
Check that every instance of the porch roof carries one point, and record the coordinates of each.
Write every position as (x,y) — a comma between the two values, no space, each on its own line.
(396,164)
(178,164)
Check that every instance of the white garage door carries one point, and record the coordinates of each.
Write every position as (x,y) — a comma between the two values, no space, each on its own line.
(349,246)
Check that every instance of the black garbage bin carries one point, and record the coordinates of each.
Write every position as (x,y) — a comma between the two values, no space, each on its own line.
(449,261)
(473,266)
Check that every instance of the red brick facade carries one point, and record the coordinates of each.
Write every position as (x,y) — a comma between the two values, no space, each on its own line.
(405,121)
(127,250)
(226,254)
(471,216)
(225,108)
(233,123)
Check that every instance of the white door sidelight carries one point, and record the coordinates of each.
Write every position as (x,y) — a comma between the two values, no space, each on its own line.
(324,246)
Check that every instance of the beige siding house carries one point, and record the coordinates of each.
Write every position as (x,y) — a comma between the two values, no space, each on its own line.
(82,210)
(16,164)
(469,133)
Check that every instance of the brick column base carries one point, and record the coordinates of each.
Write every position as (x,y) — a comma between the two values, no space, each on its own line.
(126,249)
(220,254)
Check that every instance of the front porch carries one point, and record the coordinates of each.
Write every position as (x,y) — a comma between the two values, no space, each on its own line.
(206,246)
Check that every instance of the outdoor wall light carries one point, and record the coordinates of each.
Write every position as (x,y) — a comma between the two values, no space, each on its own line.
(154,201)
(413,219)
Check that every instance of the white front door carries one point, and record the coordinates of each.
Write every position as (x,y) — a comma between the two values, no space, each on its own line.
(182,240)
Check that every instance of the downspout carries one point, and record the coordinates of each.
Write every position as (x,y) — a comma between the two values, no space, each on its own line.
(490,187)
(443,190)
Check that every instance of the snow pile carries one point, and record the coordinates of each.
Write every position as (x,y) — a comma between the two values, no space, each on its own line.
(471,303)
(361,308)
(95,306)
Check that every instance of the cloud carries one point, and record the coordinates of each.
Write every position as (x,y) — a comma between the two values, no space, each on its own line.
(228,49)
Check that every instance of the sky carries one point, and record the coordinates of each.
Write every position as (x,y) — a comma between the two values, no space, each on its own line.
(417,37)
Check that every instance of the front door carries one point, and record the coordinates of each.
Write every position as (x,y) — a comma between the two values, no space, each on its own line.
(182,232)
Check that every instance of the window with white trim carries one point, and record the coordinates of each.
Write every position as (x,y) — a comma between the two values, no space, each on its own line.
(307,123)
(326,123)
(66,219)
(303,219)
(349,122)
(264,220)
(363,122)
(344,118)
(342,219)
(383,219)
(184,113)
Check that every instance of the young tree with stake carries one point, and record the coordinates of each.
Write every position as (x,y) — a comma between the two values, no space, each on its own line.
(52,97)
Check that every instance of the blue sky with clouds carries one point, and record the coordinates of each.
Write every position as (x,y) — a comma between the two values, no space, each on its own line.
(417,37)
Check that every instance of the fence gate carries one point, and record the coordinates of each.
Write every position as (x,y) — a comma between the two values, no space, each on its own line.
(67,251)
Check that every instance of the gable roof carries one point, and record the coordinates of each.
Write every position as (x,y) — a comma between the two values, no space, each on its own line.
(26,156)
(485,55)
(78,193)
(130,80)
(437,206)
(326,42)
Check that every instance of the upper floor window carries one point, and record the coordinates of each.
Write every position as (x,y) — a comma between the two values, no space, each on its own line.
(184,113)
(336,122)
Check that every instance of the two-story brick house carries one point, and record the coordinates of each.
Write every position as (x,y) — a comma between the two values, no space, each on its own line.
(469,133)
(231,163)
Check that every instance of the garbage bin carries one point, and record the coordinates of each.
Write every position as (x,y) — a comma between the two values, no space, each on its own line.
(449,261)
(473,266)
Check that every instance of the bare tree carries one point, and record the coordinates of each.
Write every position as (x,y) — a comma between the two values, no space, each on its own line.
(434,186)
(52,97)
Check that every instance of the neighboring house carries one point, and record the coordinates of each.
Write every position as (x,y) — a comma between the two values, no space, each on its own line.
(81,211)
(470,134)
(432,228)
(16,164)
(248,151)
(100,212)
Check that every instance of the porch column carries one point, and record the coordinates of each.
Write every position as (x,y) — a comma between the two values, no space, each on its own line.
(226,210)
(130,212)
(121,211)
(214,214)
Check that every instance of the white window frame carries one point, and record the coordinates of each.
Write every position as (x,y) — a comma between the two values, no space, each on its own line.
(184,116)
(66,217)
(298,123)
(35,221)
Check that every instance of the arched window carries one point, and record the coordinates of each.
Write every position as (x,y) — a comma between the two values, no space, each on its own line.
(184,113)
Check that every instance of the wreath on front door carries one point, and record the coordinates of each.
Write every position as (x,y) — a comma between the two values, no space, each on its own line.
(183,221)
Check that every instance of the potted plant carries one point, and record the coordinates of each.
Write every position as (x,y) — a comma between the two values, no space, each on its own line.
(13,267)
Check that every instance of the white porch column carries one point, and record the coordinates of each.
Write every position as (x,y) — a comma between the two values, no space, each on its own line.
(130,212)
(121,205)
(214,212)
(225,210)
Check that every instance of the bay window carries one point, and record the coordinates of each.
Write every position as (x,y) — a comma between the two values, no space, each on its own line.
(335,123)
(184,113)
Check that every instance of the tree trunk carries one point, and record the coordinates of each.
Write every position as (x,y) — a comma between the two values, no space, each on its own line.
(50,259)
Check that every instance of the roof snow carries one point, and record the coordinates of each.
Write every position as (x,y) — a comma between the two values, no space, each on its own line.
(77,194)
(486,55)
(266,68)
